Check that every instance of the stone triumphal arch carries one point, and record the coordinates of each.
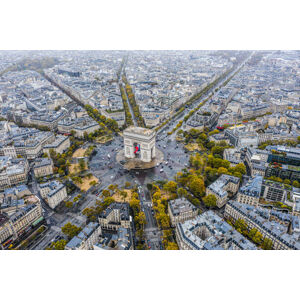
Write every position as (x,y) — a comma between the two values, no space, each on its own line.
(139,143)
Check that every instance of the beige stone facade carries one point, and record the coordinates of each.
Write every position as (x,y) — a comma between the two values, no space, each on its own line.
(143,137)
(43,167)
(181,210)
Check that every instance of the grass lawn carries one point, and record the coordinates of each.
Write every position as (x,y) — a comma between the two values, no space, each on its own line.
(103,139)
(166,194)
(193,147)
(79,153)
(85,185)
(74,168)
(118,198)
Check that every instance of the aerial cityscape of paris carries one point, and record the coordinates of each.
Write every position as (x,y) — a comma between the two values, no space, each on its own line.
(149,150)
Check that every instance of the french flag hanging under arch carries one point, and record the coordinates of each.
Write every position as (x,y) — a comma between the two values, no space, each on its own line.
(137,148)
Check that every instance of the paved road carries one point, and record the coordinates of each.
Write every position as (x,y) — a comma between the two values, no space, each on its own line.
(210,92)
(129,105)
(152,232)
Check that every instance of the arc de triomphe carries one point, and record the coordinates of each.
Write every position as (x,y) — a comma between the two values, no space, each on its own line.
(142,139)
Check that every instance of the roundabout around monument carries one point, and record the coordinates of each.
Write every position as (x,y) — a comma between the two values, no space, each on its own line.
(138,164)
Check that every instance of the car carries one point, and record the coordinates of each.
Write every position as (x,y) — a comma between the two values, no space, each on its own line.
(161,170)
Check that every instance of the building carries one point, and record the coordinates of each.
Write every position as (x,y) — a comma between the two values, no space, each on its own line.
(87,237)
(289,172)
(200,120)
(250,192)
(43,167)
(257,161)
(181,210)
(115,216)
(121,240)
(27,142)
(242,136)
(233,156)
(209,232)
(296,202)
(13,198)
(139,143)
(13,171)
(221,187)
(13,226)
(272,225)
(86,129)
(284,155)
(117,115)
(276,191)
(60,145)
(53,193)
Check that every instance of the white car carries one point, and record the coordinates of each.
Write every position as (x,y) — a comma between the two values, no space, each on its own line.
(161,170)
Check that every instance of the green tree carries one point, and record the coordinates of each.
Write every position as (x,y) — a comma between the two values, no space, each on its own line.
(267,244)
(105,193)
(181,192)
(70,230)
(210,200)
(127,185)
(112,187)
(216,131)
(81,164)
(241,168)
(171,246)
(141,218)
(59,245)
(196,186)
(69,204)
(252,233)
(124,195)
(296,184)
(170,186)
(92,183)
(241,226)
(257,238)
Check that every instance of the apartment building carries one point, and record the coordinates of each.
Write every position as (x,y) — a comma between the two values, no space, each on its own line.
(282,236)
(86,128)
(43,167)
(181,210)
(14,198)
(27,143)
(115,216)
(222,186)
(209,232)
(14,225)
(53,193)
(257,161)
(60,145)
(250,192)
(13,171)
(87,237)
(121,240)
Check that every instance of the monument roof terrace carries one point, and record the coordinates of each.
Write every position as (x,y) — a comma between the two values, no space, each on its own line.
(139,130)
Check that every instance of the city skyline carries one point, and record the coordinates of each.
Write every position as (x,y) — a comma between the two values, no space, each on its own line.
(89,132)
